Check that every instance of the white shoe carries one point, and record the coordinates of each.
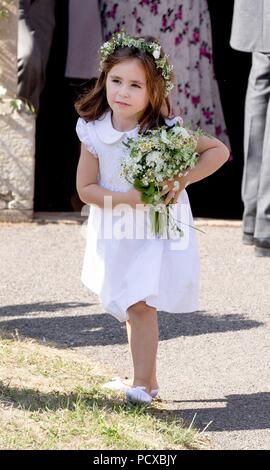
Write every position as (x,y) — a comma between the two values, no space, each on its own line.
(116,384)
(154,393)
(138,395)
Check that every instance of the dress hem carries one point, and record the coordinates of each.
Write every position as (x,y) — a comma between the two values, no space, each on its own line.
(122,305)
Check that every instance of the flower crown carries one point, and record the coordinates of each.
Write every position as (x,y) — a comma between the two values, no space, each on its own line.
(122,39)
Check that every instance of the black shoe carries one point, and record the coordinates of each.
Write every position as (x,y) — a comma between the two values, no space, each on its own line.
(248,238)
(262,246)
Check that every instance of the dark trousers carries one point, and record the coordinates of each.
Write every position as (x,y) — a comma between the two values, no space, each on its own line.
(35,33)
(256,174)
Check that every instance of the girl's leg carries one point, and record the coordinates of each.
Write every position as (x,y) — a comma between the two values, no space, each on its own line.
(153,382)
(142,329)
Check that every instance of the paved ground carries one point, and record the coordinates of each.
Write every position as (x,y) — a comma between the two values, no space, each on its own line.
(214,362)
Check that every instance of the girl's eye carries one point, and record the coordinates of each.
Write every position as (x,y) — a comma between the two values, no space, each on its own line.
(115,80)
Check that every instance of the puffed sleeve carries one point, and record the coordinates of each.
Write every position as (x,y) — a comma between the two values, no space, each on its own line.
(84,135)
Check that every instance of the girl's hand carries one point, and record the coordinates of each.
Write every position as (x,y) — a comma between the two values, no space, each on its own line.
(173,188)
(133,197)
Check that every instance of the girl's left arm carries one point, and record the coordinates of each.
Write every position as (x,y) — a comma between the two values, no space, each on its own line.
(213,154)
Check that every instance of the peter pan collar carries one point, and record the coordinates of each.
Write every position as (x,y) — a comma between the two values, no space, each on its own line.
(107,133)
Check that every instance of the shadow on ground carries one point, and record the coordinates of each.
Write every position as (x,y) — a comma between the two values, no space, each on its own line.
(37,321)
(235,413)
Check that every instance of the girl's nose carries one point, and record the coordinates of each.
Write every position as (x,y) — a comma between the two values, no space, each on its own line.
(123,92)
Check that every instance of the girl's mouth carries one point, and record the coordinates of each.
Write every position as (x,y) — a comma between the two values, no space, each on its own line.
(120,103)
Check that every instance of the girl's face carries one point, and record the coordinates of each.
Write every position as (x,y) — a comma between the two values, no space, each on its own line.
(126,89)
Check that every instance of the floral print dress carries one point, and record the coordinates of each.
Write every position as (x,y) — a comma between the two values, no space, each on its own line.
(184,30)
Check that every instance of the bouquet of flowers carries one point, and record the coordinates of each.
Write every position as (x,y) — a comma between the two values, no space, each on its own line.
(154,157)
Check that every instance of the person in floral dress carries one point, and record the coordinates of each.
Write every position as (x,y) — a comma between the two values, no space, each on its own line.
(184,29)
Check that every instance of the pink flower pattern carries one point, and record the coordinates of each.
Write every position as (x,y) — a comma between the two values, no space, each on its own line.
(184,30)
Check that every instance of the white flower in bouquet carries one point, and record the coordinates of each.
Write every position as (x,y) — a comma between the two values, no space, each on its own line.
(164,137)
(181,131)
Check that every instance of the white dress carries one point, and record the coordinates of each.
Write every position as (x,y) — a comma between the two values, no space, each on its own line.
(126,266)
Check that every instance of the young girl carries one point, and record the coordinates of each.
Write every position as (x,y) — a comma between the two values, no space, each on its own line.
(134,276)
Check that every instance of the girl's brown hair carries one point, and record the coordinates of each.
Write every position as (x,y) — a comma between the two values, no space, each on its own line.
(93,104)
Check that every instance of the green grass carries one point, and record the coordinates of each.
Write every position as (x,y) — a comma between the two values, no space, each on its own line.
(52,399)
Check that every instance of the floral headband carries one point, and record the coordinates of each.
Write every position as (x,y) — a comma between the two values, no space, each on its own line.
(122,39)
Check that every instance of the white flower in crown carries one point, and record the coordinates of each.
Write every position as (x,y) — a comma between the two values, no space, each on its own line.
(156,52)
(106,44)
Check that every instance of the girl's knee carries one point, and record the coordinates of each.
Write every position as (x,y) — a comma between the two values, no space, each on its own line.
(140,307)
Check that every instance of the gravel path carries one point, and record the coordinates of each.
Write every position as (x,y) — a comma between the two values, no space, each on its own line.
(214,362)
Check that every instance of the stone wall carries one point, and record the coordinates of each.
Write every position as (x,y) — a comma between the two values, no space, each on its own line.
(17,130)
(17,150)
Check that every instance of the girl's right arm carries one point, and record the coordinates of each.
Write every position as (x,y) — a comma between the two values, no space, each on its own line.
(90,192)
